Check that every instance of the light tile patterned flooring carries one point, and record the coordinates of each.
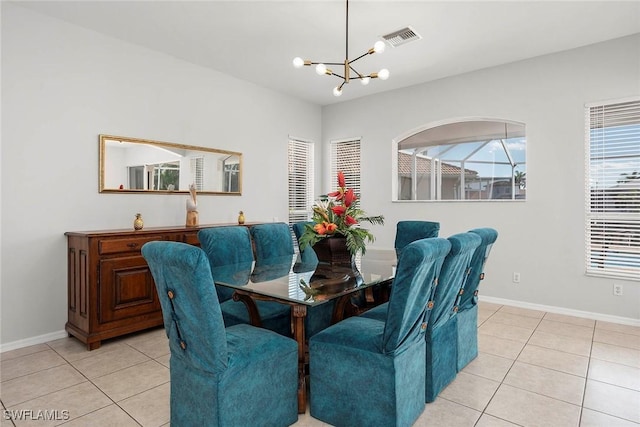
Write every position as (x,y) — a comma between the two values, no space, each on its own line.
(534,369)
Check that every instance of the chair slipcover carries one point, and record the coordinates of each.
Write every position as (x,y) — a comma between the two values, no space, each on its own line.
(468,300)
(410,231)
(228,247)
(220,376)
(406,232)
(442,330)
(230,254)
(364,372)
(271,240)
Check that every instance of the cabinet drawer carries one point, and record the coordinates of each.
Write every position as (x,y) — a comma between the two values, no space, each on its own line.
(131,244)
(192,239)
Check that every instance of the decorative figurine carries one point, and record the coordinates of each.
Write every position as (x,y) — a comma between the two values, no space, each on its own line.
(192,207)
(138,223)
(241,218)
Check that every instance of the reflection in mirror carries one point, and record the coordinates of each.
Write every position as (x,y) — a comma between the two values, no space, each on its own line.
(141,166)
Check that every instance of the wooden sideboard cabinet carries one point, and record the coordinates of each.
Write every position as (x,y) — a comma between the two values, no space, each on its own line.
(110,288)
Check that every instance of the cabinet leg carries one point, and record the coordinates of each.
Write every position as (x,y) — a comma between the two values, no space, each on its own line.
(94,345)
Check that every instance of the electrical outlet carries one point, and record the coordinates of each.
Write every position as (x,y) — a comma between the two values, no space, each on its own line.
(617,289)
(516,277)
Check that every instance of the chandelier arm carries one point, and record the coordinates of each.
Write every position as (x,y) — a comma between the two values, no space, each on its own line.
(326,63)
(359,57)
(360,75)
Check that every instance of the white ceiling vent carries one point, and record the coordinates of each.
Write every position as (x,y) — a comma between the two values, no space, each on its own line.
(403,36)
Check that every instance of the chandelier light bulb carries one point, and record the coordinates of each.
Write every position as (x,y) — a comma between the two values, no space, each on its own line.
(321,69)
(383,74)
(365,80)
(379,46)
(337,91)
(298,62)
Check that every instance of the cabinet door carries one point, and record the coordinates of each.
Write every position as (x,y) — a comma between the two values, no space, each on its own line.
(126,289)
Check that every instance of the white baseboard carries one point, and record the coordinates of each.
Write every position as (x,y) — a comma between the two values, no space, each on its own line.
(562,310)
(40,339)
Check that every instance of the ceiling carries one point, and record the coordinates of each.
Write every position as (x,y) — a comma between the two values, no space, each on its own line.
(257,40)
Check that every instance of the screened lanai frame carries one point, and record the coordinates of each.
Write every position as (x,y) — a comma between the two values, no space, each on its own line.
(477,159)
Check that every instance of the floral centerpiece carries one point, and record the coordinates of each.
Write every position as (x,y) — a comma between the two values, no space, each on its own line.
(338,215)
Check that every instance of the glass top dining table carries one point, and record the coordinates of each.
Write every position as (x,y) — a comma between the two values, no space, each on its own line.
(289,280)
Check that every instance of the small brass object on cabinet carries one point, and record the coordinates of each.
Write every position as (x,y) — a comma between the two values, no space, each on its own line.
(138,223)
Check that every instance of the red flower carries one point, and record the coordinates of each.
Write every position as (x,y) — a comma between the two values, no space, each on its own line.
(336,194)
(339,210)
(331,228)
(349,220)
(341,182)
(349,197)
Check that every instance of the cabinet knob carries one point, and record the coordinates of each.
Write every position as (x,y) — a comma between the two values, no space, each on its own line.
(132,245)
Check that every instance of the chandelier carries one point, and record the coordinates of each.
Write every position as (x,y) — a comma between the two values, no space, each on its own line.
(321,67)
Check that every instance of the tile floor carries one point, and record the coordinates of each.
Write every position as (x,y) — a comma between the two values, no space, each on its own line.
(534,369)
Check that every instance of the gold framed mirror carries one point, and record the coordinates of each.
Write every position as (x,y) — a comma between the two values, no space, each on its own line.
(133,165)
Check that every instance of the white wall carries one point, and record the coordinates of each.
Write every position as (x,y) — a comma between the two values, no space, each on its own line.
(62,86)
(543,237)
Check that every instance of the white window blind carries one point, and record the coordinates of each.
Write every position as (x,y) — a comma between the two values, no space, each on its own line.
(613,190)
(345,157)
(300,180)
(197,172)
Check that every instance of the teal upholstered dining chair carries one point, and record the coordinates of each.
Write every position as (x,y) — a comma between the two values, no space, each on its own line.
(406,232)
(230,254)
(442,331)
(441,336)
(467,316)
(220,376)
(271,241)
(411,230)
(228,246)
(365,372)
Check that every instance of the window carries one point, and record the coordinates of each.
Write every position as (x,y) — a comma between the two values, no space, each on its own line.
(345,157)
(300,180)
(231,171)
(463,160)
(613,189)
(166,176)
(196,165)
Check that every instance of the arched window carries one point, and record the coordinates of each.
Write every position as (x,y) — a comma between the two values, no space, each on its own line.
(473,159)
